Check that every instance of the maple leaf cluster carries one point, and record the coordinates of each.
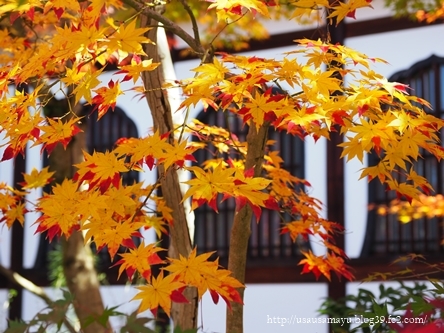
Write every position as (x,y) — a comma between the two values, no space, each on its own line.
(111,217)
(376,116)
(194,271)
(58,48)
(12,207)
(198,271)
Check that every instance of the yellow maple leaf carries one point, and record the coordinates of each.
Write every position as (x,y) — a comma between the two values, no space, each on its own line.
(207,184)
(190,270)
(156,222)
(212,72)
(37,178)
(178,154)
(250,190)
(112,234)
(408,191)
(395,157)
(82,40)
(15,212)
(205,275)
(258,107)
(144,150)
(121,199)
(140,259)
(307,7)
(322,82)
(128,39)
(92,204)
(84,87)
(163,209)
(235,7)
(101,169)
(380,170)
(60,6)
(158,293)
(137,66)
(347,9)
(59,210)
(352,149)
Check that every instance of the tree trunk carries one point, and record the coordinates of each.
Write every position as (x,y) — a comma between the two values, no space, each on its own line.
(241,230)
(78,264)
(183,315)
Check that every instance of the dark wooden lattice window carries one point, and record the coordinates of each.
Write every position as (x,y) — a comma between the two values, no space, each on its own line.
(385,234)
(266,246)
(100,136)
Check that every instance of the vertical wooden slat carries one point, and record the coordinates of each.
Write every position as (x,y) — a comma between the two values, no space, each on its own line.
(17,244)
(17,236)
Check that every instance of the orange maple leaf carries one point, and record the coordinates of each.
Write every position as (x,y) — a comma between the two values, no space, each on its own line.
(315,264)
(338,265)
(324,264)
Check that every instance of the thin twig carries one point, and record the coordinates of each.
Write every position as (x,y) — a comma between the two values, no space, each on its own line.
(187,8)
(168,24)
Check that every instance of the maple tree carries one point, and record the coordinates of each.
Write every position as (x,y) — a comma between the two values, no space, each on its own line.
(60,43)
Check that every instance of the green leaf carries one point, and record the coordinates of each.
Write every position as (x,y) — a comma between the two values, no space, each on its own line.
(16,327)
(439,287)
(136,324)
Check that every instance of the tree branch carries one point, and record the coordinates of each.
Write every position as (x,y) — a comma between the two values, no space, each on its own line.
(34,289)
(241,229)
(187,8)
(193,43)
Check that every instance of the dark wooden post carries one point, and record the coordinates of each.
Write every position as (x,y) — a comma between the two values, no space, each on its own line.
(17,245)
(335,174)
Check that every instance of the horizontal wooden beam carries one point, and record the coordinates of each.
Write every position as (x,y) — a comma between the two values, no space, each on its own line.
(282,272)
(355,29)
(361,269)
